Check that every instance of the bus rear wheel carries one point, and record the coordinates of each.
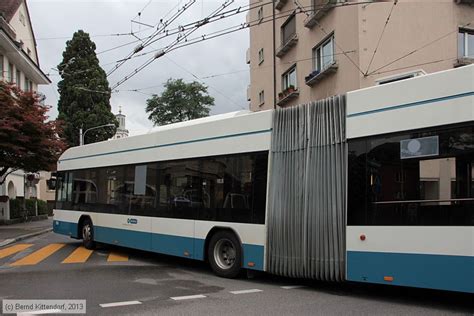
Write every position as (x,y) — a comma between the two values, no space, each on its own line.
(225,254)
(87,232)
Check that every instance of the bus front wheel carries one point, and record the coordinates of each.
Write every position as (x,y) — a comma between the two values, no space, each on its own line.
(225,254)
(88,234)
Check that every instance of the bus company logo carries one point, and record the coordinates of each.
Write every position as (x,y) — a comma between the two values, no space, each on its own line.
(132,221)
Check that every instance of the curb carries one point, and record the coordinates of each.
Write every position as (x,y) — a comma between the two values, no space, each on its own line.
(12,240)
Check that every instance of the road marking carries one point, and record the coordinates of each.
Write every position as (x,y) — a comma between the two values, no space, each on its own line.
(291,287)
(120,304)
(38,255)
(13,249)
(45,311)
(246,291)
(117,257)
(188,297)
(80,255)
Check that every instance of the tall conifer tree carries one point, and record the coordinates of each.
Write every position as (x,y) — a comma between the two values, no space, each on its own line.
(84,92)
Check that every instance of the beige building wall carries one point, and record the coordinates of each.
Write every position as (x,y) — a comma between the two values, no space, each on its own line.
(424,30)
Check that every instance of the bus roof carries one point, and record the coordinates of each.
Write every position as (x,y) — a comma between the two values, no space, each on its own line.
(208,136)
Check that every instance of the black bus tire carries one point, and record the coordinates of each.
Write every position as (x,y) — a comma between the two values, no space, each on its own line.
(87,233)
(225,254)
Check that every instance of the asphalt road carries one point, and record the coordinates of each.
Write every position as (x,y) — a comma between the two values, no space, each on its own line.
(164,285)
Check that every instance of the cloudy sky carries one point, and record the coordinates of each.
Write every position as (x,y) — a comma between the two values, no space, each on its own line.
(54,22)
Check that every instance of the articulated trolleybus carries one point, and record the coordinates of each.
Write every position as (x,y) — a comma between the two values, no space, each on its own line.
(202,189)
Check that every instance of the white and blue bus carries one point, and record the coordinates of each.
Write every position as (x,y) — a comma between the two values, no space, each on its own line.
(200,189)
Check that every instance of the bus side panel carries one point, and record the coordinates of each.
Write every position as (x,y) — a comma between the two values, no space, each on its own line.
(65,222)
(173,236)
(252,237)
(418,256)
(123,230)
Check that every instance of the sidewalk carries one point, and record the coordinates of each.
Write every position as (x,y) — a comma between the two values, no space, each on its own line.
(15,232)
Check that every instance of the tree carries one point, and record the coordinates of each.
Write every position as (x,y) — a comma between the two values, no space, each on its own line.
(179,102)
(84,99)
(27,140)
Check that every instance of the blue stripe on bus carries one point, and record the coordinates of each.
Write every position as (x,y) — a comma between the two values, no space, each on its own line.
(65,228)
(443,272)
(406,105)
(179,246)
(171,144)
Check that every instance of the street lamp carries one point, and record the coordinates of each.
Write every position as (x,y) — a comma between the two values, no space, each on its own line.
(82,136)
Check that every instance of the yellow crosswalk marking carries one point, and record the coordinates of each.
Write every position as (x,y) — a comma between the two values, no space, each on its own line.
(80,255)
(117,257)
(38,255)
(5,252)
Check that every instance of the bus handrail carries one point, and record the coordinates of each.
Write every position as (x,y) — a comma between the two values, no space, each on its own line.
(423,201)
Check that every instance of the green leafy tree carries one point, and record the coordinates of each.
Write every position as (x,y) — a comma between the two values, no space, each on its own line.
(84,92)
(180,101)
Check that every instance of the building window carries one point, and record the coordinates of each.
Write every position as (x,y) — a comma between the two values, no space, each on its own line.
(288,29)
(323,54)
(260,14)
(398,77)
(18,79)
(466,43)
(289,79)
(260,56)
(261,97)
(10,72)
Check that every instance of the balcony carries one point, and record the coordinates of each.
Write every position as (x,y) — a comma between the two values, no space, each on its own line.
(287,95)
(283,49)
(463,61)
(279,4)
(317,76)
(319,12)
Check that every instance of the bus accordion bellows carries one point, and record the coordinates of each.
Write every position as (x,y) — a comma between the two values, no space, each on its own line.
(373,186)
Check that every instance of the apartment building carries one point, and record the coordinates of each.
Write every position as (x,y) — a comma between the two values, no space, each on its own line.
(329,47)
(19,65)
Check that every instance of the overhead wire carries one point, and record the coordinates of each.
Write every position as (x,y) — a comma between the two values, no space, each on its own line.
(159,29)
(381,36)
(199,80)
(327,33)
(421,47)
(181,28)
(179,39)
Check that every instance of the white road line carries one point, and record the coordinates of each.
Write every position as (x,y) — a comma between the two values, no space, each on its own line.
(291,287)
(120,304)
(189,297)
(246,291)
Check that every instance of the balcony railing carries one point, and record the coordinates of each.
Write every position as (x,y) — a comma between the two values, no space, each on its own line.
(279,4)
(283,49)
(287,95)
(317,75)
(319,10)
